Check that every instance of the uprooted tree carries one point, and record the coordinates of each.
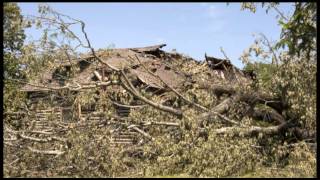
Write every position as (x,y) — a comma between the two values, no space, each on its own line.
(145,112)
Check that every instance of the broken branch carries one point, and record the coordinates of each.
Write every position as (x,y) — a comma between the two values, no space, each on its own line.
(253,130)
(134,127)
(133,91)
(171,88)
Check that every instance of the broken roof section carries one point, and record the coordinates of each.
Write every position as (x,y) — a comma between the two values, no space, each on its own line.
(118,59)
(157,61)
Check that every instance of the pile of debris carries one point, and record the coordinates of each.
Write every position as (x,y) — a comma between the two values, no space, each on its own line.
(134,104)
(148,69)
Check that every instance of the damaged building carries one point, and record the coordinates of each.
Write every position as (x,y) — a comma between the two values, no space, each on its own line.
(53,95)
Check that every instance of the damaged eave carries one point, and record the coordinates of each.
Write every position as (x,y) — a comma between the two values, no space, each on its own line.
(216,62)
(148,48)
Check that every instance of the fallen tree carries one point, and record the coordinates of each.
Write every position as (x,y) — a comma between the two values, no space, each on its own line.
(88,110)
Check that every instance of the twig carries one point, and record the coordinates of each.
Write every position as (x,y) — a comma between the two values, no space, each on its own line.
(225,55)
(233,68)
(128,106)
(281,14)
(271,49)
(160,123)
(226,119)
(14,161)
(134,127)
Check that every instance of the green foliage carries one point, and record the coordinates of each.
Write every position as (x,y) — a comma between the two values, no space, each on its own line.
(296,83)
(300,31)
(223,156)
(264,71)
(13,39)
(13,35)
(294,79)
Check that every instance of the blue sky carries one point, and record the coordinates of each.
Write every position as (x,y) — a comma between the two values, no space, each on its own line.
(190,28)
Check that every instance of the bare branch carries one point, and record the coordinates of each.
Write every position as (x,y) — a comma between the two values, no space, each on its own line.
(48,152)
(253,130)
(271,49)
(134,127)
(171,88)
(225,55)
(79,87)
(280,13)
(160,123)
(128,106)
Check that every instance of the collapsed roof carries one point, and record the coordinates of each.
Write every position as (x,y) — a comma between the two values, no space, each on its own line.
(152,57)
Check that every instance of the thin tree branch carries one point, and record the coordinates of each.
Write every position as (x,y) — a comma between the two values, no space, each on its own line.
(253,130)
(133,91)
(171,88)
(128,106)
(134,127)
(48,152)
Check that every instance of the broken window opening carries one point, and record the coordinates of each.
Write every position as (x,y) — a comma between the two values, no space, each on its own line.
(83,64)
(66,114)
